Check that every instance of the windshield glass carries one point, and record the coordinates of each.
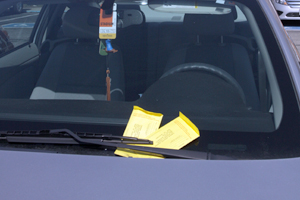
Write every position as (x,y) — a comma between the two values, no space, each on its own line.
(66,64)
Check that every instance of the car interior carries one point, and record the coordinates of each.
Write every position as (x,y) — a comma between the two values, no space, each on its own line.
(207,65)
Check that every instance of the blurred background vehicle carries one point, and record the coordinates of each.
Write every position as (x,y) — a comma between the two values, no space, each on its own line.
(287,9)
(17,8)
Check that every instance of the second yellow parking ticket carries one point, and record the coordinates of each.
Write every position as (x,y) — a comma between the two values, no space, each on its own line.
(145,125)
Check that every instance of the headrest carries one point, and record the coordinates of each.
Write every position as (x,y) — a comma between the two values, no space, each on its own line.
(81,22)
(208,24)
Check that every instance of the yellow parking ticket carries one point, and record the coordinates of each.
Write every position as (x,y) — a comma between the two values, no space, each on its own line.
(141,123)
(174,135)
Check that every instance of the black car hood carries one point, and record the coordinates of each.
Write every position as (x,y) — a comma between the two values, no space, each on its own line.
(28,175)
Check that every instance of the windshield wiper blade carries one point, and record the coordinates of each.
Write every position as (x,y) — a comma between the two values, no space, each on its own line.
(48,137)
(169,153)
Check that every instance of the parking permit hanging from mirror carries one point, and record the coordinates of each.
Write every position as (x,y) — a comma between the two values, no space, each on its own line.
(108,23)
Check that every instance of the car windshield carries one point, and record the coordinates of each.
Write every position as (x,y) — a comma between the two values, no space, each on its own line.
(69,64)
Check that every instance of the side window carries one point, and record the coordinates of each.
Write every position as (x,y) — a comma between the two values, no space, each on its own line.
(16,25)
(240,15)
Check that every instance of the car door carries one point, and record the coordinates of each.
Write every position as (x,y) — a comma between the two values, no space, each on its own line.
(22,34)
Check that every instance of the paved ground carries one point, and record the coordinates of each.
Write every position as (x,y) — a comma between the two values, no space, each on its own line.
(293,29)
(295,35)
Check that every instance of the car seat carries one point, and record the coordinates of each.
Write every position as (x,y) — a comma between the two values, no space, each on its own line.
(206,45)
(75,70)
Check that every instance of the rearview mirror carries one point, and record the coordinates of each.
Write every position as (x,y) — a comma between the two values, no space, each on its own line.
(193,6)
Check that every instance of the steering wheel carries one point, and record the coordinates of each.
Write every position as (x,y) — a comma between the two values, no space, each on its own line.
(203,67)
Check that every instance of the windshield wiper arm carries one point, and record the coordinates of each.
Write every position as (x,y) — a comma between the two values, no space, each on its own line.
(165,152)
(170,153)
